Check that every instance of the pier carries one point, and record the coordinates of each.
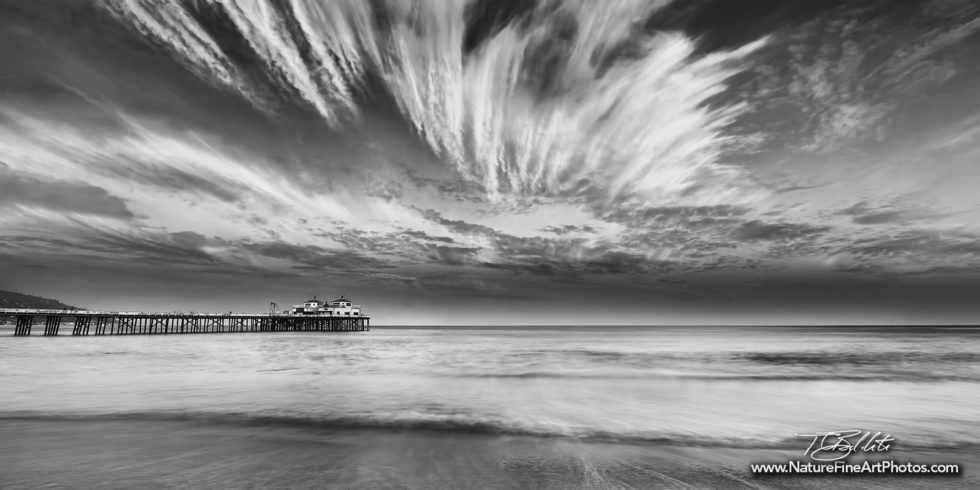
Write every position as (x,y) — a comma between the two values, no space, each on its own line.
(84,322)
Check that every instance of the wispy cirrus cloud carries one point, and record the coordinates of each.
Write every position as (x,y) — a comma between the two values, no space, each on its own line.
(158,163)
(631,128)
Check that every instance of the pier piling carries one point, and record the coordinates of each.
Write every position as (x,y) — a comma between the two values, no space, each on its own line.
(82,323)
(24,323)
(51,325)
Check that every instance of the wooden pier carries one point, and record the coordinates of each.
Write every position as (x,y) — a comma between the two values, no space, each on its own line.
(84,322)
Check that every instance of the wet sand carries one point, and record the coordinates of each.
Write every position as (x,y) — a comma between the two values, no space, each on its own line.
(57,453)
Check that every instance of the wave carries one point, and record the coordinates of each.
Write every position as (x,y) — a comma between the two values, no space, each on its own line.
(461,424)
(858,358)
(781,358)
(914,377)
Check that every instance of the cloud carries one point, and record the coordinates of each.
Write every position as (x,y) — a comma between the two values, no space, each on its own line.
(568,229)
(122,246)
(70,197)
(863,214)
(565,257)
(425,236)
(757,230)
(441,285)
(634,129)
(163,171)
(568,270)
(690,216)
(844,77)
(178,30)
(175,179)
(926,245)
(452,255)
(92,239)
(458,226)
(316,259)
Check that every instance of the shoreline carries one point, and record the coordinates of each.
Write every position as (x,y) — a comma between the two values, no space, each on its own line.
(205,454)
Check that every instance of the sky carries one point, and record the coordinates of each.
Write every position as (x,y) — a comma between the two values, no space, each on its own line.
(492,162)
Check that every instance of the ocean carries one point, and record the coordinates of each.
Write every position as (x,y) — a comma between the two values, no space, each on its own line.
(503,407)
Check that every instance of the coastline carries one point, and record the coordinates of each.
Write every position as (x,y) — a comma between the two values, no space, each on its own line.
(108,453)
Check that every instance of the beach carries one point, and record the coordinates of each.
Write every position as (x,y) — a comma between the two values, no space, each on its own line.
(193,454)
(480,407)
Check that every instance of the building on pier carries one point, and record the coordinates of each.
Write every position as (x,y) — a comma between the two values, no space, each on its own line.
(309,307)
(343,307)
(337,307)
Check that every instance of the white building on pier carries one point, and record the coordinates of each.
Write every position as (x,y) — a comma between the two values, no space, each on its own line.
(337,307)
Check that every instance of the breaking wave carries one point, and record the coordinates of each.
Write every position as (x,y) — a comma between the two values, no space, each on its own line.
(461,424)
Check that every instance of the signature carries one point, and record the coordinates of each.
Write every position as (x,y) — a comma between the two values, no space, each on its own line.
(837,445)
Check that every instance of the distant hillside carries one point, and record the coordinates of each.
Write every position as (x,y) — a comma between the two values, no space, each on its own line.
(10,299)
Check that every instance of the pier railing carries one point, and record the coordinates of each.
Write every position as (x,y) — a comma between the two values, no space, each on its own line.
(87,322)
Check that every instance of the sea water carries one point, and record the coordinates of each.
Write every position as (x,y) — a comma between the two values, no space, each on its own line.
(514,392)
